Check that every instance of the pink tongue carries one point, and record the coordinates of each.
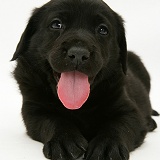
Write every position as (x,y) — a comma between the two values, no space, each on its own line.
(73,89)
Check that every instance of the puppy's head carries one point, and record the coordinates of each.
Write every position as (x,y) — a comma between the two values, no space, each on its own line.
(79,40)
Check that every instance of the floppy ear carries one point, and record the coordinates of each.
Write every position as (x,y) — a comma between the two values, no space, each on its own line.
(26,37)
(122,43)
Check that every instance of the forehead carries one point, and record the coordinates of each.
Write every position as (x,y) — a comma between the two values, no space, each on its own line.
(79,8)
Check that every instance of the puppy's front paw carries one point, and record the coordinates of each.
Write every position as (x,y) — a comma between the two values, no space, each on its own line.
(67,147)
(106,149)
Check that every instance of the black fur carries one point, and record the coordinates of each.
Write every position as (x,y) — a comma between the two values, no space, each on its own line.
(117,115)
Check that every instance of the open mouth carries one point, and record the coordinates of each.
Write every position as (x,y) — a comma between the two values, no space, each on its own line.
(56,76)
(73,88)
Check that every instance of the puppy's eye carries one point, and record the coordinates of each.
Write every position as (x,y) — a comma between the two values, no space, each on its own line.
(56,24)
(103,29)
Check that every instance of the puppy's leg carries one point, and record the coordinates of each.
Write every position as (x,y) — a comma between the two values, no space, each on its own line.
(122,133)
(60,137)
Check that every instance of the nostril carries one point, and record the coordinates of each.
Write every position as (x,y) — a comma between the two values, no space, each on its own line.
(84,58)
(78,54)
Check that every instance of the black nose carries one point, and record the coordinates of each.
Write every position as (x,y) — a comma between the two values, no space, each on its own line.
(78,55)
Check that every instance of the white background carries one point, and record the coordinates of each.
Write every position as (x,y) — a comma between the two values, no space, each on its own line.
(142,23)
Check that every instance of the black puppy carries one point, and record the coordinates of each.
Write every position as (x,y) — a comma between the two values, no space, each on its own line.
(83,93)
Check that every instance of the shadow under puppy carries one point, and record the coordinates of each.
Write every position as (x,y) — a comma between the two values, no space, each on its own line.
(83,93)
